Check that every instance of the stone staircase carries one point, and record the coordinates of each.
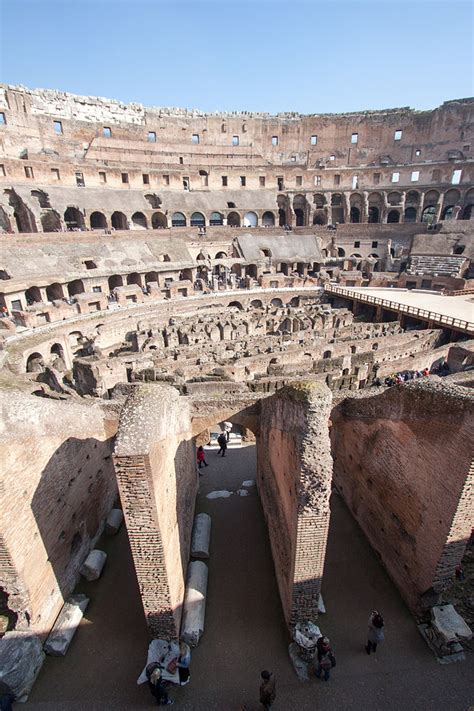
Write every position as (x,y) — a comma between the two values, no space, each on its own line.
(435,266)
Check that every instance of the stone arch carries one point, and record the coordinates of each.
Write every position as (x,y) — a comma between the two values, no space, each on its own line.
(198,220)
(74,219)
(468,208)
(233,219)
(375,202)
(178,219)
(393,216)
(410,214)
(114,281)
(319,218)
(58,350)
(250,219)
(35,363)
(151,277)
(23,216)
(33,295)
(394,198)
(54,292)
(134,278)
(256,304)
(216,219)
(412,197)
(139,221)
(277,302)
(75,287)
(319,201)
(221,255)
(431,198)
(301,209)
(42,197)
(451,199)
(268,219)
(158,221)
(51,221)
(236,304)
(429,214)
(98,221)
(119,221)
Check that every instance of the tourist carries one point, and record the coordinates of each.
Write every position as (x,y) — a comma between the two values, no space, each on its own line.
(201,457)
(326,659)
(156,685)
(376,632)
(222,442)
(267,690)
(184,660)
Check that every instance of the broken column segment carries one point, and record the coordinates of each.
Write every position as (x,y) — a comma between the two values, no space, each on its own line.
(113,522)
(66,625)
(194,603)
(93,565)
(201,536)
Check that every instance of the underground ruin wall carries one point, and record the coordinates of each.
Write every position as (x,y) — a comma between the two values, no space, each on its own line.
(402,462)
(57,487)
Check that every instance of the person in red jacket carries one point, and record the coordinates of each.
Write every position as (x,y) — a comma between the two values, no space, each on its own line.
(201,457)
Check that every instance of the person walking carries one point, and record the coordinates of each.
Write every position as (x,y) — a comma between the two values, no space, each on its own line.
(267,690)
(184,660)
(376,632)
(156,685)
(201,457)
(326,659)
(222,441)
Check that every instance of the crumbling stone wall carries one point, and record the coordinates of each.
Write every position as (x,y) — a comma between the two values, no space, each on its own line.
(57,487)
(156,473)
(294,470)
(402,463)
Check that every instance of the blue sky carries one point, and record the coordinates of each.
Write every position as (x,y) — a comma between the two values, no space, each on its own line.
(255,55)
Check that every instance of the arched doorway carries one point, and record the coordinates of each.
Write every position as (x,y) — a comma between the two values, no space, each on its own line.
(114,281)
(139,221)
(410,214)
(250,219)
(374,214)
(54,292)
(134,278)
(98,221)
(299,216)
(393,216)
(198,220)
(216,219)
(35,363)
(300,208)
(178,219)
(355,214)
(281,217)
(429,214)
(158,221)
(233,219)
(319,218)
(119,221)
(75,287)
(268,219)
(74,219)
(33,295)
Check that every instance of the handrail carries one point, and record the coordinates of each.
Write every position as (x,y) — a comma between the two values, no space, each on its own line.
(403,308)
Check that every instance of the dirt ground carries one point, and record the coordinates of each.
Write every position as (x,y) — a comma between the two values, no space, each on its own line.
(245,631)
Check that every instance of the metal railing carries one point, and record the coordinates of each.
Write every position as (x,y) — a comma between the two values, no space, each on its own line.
(417,312)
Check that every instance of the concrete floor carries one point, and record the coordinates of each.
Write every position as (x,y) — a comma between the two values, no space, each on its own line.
(245,632)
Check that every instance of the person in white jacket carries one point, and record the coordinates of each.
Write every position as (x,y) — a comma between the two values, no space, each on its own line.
(376,632)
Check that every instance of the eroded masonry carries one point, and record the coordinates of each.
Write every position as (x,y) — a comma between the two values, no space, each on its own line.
(163,271)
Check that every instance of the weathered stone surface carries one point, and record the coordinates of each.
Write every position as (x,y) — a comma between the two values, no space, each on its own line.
(21,658)
(113,522)
(93,565)
(66,625)
(195,603)
(201,536)
(449,624)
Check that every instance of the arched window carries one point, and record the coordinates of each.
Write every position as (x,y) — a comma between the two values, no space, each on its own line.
(198,219)
(319,218)
(114,281)
(54,292)
(281,217)
(233,219)
(119,221)
(139,221)
(250,219)
(355,214)
(410,214)
(151,277)
(58,350)
(393,216)
(74,219)
(374,214)
(98,221)
(216,219)
(35,363)
(221,255)
(158,221)
(448,213)
(178,220)
(134,278)
(268,219)
(75,287)
(428,214)
(33,295)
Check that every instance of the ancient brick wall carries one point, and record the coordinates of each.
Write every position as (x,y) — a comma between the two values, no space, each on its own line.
(294,482)
(156,472)
(401,462)
(57,488)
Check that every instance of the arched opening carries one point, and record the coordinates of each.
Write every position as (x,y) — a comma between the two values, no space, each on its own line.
(278,303)
(447,213)
(216,219)
(186,275)
(250,219)
(337,209)
(23,216)
(327,354)
(75,287)
(319,201)
(410,214)
(54,292)
(98,221)
(281,217)
(394,198)
(374,214)
(319,218)
(236,305)
(119,221)
(51,221)
(233,219)
(198,220)
(114,281)
(341,252)
(355,214)
(252,271)
(256,304)
(468,205)
(58,350)
(139,221)
(151,277)
(268,219)
(393,216)
(299,217)
(221,255)
(428,214)
(158,221)
(33,295)
(134,278)
(178,220)
(74,219)
(35,363)
(467,212)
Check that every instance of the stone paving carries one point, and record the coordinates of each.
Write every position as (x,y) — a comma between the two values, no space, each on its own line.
(245,632)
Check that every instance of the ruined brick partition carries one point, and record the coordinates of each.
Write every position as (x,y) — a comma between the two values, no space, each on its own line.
(57,486)
(156,473)
(294,471)
(402,461)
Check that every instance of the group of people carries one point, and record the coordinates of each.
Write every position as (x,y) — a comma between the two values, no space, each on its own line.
(403,377)
(159,675)
(222,441)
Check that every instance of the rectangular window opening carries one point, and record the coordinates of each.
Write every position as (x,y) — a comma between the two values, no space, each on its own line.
(280,183)
(29,171)
(107,132)
(124,177)
(314,140)
(243,181)
(152,136)
(80,180)
(337,180)
(299,180)
(55,174)
(317,180)
(456,178)
(356,244)
(3,172)
(195,138)
(375,245)
(261,180)
(102,176)
(146,179)
(395,177)
(354,138)
(58,128)
(235,140)
(398,135)
(274,140)
(224,181)
(376,178)
(415,176)
(166,179)
(355,182)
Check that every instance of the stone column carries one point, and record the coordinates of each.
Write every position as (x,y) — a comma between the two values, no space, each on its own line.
(365,213)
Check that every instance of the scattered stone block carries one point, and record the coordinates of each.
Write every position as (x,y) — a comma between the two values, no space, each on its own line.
(321,605)
(66,625)
(113,522)
(449,624)
(92,567)
(21,658)
(194,611)
(248,483)
(201,536)
(219,494)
